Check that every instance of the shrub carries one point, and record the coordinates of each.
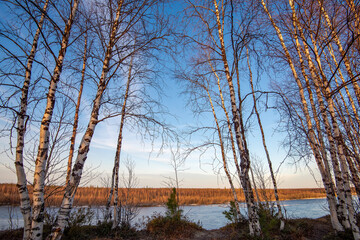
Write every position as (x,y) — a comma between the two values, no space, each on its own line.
(101,230)
(172,206)
(81,216)
(173,224)
(269,221)
(171,227)
(79,224)
(232,214)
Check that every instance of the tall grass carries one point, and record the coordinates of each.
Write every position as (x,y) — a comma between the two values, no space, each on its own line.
(95,196)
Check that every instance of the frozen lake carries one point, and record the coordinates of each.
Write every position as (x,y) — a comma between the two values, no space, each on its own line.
(210,216)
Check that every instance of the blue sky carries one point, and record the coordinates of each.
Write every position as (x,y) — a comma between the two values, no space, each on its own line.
(153,167)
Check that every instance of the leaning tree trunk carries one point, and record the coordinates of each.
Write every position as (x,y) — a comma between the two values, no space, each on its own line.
(40,163)
(72,185)
(323,167)
(223,155)
(326,177)
(342,212)
(281,216)
(342,51)
(254,224)
(340,144)
(25,205)
(230,132)
(117,216)
(77,109)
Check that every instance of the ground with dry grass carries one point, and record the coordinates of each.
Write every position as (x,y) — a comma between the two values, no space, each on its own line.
(296,229)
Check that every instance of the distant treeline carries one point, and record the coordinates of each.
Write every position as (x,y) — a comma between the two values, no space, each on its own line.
(91,196)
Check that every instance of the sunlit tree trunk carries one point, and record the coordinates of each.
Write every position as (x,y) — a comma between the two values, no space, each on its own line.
(254,224)
(350,129)
(76,117)
(223,155)
(342,212)
(118,148)
(40,163)
(72,185)
(356,27)
(321,146)
(228,122)
(337,145)
(25,205)
(281,217)
(350,124)
(342,52)
(339,141)
(326,177)
(233,147)
(350,98)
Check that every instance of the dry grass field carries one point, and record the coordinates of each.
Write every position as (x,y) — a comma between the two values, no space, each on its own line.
(92,196)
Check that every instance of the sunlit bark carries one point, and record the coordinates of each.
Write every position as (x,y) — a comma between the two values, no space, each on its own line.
(40,163)
(311,135)
(76,117)
(336,142)
(254,223)
(342,52)
(73,183)
(339,141)
(25,205)
(321,146)
(223,155)
(281,217)
(118,148)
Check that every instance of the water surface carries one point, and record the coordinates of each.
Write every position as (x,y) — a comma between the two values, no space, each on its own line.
(210,216)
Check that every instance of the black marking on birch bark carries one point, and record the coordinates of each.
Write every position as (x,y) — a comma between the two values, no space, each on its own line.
(19,164)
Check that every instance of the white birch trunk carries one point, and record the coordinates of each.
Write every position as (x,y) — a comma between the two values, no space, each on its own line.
(324,168)
(25,205)
(76,117)
(281,217)
(254,224)
(342,52)
(117,216)
(340,145)
(343,213)
(40,163)
(326,177)
(228,122)
(72,185)
(223,155)
(230,132)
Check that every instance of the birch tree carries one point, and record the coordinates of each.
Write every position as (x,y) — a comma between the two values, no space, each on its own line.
(21,129)
(203,97)
(118,147)
(39,15)
(124,18)
(273,179)
(312,50)
(77,110)
(40,163)
(213,19)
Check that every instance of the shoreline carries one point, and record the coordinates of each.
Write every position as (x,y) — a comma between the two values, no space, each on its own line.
(163,204)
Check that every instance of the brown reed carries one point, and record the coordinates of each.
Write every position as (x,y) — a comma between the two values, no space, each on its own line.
(96,196)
